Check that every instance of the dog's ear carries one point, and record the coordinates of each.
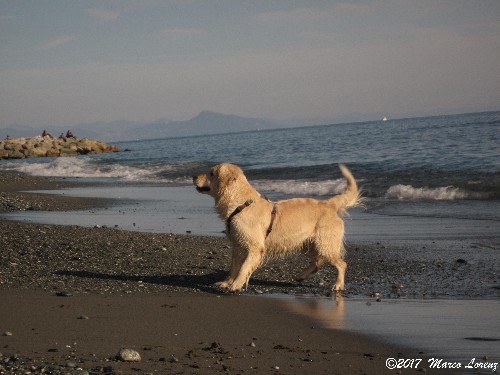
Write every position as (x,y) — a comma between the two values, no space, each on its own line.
(227,174)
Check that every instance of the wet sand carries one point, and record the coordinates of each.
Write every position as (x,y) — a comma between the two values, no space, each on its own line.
(73,296)
(178,333)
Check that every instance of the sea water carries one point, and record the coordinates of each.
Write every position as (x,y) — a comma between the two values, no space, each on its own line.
(444,167)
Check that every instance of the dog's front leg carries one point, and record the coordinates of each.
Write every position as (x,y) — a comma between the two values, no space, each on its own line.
(237,258)
(253,260)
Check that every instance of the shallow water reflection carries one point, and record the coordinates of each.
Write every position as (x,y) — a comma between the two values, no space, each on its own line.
(453,329)
(331,314)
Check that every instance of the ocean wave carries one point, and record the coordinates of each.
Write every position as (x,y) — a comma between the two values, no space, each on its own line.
(301,187)
(89,168)
(408,192)
(279,183)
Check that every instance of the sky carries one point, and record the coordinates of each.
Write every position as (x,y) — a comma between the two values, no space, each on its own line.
(70,62)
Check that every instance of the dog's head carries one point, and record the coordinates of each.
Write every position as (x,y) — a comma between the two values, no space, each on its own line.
(220,180)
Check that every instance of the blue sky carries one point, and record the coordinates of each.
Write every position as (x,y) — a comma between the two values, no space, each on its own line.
(68,62)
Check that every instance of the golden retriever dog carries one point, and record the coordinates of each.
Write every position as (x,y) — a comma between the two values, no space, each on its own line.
(257,227)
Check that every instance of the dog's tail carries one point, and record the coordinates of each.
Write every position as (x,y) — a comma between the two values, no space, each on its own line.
(351,196)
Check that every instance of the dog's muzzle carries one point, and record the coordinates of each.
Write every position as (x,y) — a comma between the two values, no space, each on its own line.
(200,189)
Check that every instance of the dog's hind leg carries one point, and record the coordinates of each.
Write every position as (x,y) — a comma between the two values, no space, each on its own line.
(331,247)
(341,266)
(335,260)
(314,267)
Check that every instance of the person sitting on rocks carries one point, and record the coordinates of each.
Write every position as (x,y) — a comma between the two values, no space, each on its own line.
(61,136)
(47,134)
(69,134)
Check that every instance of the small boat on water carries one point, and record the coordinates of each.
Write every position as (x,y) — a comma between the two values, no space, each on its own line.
(384,119)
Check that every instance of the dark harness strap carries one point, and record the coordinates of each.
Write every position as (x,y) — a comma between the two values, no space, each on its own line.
(241,208)
(236,212)
(273,216)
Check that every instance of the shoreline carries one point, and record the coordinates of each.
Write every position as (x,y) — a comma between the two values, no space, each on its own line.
(124,281)
(15,195)
(392,268)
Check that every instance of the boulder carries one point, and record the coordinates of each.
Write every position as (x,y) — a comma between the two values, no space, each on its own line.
(4,154)
(68,152)
(12,146)
(53,152)
(15,155)
(39,151)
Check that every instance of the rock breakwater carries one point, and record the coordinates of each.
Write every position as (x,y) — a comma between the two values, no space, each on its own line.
(48,146)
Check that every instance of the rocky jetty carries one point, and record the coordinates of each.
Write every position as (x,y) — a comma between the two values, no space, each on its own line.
(48,146)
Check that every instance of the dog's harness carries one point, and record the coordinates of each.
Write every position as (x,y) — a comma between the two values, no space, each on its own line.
(273,216)
(242,207)
(236,212)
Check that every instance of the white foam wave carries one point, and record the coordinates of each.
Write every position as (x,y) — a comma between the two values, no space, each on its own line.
(87,168)
(83,168)
(299,187)
(408,192)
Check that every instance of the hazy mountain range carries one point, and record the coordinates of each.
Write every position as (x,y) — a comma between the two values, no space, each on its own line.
(204,123)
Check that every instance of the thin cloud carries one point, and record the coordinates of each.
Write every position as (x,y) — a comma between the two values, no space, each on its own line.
(7,18)
(291,16)
(103,15)
(56,42)
(185,32)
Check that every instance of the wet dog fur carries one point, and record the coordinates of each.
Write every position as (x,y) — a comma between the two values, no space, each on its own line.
(312,227)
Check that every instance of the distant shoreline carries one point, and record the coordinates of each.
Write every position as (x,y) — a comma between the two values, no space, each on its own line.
(219,123)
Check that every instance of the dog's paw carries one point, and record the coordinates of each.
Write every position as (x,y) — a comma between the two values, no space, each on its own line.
(235,288)
(222,284)
(338,287)
(337,294)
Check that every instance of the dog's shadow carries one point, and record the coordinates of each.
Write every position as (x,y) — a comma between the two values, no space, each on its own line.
(204,282)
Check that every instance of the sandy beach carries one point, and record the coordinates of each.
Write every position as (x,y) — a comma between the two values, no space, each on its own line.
(72,297)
